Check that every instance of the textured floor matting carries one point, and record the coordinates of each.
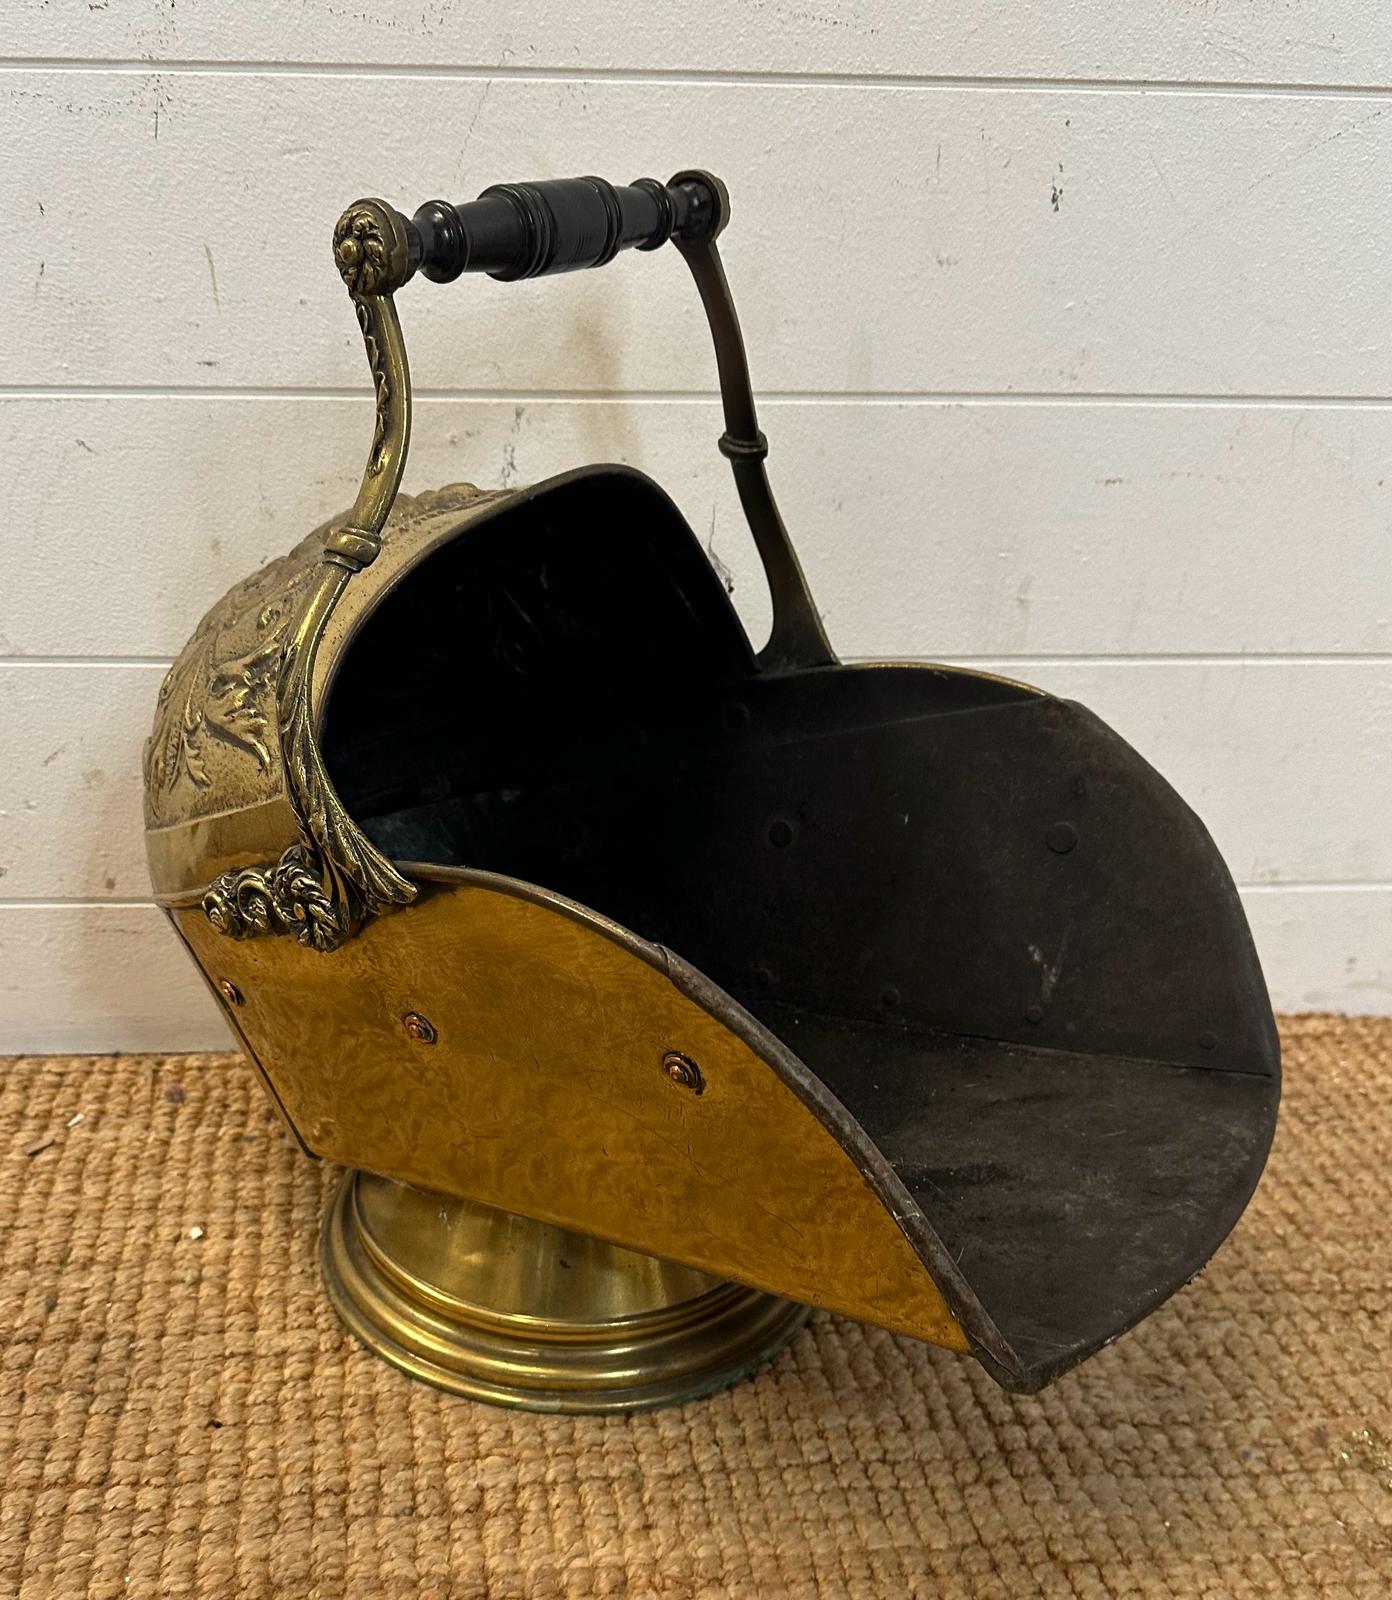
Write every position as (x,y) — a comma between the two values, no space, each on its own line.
(180,1414)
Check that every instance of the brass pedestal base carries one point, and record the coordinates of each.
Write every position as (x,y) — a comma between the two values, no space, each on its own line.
(497,1307)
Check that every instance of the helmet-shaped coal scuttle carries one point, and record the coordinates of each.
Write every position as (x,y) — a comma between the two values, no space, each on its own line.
(657,989)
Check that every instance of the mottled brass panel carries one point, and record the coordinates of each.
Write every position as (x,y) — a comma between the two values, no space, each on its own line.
(545,1093)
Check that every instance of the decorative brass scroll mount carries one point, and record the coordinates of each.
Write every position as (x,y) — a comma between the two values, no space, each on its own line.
(288,897)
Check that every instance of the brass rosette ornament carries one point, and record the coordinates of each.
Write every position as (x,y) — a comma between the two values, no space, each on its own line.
(654,988)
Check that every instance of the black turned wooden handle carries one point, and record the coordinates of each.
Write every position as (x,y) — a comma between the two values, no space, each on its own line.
(525,230)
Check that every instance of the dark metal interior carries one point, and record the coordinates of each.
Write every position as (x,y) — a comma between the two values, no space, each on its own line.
(990,928)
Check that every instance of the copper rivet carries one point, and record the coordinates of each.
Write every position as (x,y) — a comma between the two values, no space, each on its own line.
(419,1028)
(230,992)
(1034,1013)
(1207,1040)
(1061,838)
(683,1071)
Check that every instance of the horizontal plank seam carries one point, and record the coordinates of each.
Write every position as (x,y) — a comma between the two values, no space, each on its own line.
(885,397)
(1198,658)
(676,77)
(1195,658)
(773,397)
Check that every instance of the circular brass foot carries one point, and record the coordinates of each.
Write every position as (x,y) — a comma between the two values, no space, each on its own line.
(497,1307)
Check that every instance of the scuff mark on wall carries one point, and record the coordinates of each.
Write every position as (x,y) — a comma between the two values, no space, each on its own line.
(212,273)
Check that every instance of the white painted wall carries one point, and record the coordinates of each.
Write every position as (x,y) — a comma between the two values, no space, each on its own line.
(1133,443)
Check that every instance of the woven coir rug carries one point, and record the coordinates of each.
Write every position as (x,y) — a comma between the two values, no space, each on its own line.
(180,1413)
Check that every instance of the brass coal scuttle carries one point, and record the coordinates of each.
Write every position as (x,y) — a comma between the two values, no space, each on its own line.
(654,989)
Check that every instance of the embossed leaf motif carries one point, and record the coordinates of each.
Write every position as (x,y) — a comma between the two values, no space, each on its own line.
(237,695)
(221,689)
(190,747)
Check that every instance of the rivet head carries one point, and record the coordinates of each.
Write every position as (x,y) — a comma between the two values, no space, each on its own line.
(419,1028)
(683,1071)
(1034,1013)
(1061,838)
(780,833)
(230,992)
(1208,1040)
